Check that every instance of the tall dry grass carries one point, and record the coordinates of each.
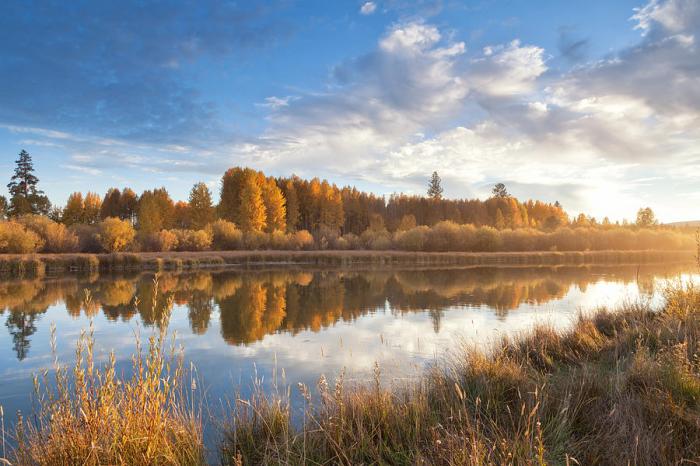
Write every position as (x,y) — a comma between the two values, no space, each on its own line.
(619,387)
(89,415)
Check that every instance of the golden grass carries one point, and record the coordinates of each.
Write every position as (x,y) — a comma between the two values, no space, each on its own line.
(91,416)
(618,388)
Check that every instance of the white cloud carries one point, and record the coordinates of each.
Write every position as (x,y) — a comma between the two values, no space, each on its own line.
(496,115)
(275,103)
(368,8)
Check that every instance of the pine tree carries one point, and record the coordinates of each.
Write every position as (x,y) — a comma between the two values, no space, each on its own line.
(25,198)
(499,191)
(251,212)
(646,217)
(435,187)
(201,211)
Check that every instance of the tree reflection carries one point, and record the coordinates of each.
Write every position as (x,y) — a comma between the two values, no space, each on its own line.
(253,304)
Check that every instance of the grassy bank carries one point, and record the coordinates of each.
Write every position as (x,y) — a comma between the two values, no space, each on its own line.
(37,265)
(618,388)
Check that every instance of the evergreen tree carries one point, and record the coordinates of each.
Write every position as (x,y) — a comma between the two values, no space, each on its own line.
(435,187)
(646,217)
(201,211)
(25,198)
(499,191)
(3,207)
(251,211)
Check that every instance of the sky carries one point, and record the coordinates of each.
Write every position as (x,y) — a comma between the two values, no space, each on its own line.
(593,104)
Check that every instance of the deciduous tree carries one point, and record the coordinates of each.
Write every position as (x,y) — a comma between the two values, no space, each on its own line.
(252,216)
(201,206)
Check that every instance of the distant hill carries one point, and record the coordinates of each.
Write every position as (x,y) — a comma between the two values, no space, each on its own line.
(692,223)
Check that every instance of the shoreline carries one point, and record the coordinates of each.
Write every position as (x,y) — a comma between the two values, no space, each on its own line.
(39,265)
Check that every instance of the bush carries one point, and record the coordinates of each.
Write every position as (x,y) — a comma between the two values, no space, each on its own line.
(353,241)
(115,234)
(487,239)
(255,240)
(413,239)
(88,237)
(193,240)
(161,241)
(225,235)
(302,239)
(16,239)
(279,240)
(56,236)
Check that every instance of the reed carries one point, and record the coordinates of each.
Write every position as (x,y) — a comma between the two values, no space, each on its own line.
(89,415)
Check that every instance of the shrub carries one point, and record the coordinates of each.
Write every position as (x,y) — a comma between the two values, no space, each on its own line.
(413,239)
(56,236)
(279,240)
(487,239)
(88,237)
(255,240)
(115,234)
(302,239)
(16,239)
(161,241)
(225,235)
(193,240)
(353,241)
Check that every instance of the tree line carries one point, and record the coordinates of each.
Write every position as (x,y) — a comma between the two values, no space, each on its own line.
(254,210)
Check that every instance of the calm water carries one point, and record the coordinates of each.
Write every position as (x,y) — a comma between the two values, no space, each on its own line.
(236,324)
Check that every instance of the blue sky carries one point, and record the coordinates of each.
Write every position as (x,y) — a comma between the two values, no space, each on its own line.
(595,104)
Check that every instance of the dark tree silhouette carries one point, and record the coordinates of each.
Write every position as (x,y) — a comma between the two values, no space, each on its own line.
(21,327)
(25,198)
(435,187)
(500,192)
(646,217)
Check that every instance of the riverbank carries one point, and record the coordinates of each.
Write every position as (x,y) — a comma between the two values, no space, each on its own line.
(38,265)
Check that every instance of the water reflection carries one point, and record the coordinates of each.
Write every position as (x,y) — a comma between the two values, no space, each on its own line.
(253,304)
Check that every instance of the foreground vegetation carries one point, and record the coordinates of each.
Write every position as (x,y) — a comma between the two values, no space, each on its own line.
(91,416)
(619,387)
